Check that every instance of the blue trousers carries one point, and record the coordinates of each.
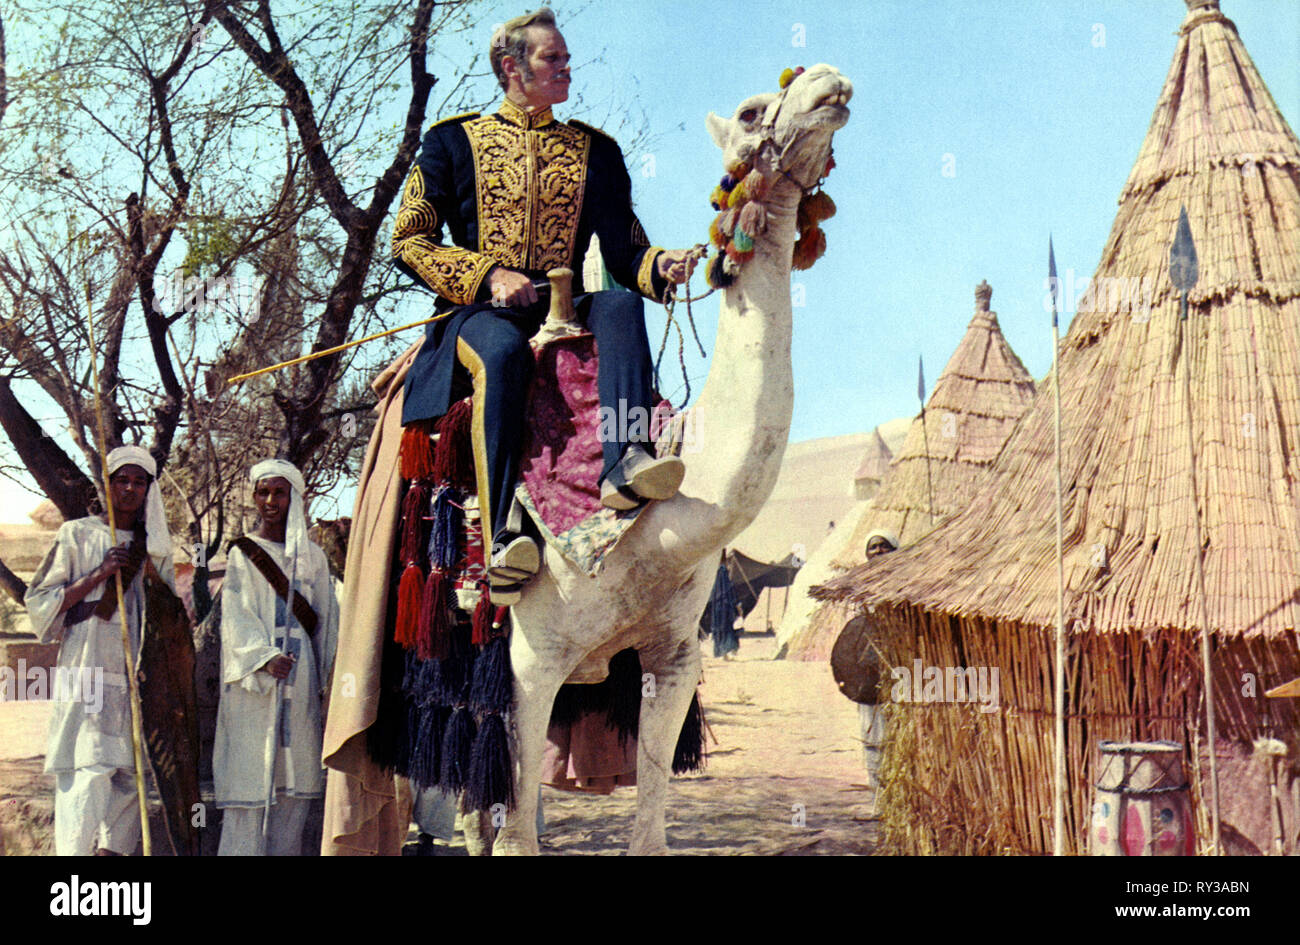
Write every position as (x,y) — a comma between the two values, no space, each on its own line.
(492,343)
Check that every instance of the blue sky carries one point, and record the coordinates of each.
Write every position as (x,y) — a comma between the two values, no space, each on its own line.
(1035,110)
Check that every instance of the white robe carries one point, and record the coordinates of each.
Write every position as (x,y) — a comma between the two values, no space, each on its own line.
(252,622)
(91,724)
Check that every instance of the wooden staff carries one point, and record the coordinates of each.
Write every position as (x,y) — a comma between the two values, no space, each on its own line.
(133,685)
(334,350)
(1058,693)
(1183,274)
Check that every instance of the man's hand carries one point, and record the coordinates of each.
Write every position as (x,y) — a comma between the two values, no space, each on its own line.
(510,288)
(279,666)
(675,265)
(117,558)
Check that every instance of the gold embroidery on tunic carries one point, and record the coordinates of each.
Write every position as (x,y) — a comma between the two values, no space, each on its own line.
(645,272)
(452,272)
(529,185)
(638,234)
(416,214)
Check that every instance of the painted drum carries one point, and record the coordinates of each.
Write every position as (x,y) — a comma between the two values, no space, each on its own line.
(1143,807)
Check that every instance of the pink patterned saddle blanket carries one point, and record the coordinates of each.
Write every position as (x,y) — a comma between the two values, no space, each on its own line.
(562,458)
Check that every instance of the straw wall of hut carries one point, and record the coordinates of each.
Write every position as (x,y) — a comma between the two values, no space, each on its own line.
(981,591)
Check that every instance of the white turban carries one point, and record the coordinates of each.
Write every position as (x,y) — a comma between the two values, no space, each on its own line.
(885,534)
(295,530)
(158,539)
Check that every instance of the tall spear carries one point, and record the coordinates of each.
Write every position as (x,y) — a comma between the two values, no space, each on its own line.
(1183,273)
(133,684)
(1058,693)
(925,436)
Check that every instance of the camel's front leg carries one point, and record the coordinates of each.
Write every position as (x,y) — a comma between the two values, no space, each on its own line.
(666,698)
(537,680)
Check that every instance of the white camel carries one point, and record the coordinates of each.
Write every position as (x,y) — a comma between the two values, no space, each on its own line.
(657,579)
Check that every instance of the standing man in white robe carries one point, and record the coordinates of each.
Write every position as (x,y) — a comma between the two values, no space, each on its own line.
(272,655)
(90,753)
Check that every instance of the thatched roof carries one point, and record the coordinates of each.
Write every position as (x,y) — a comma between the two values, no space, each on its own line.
(874,465)
(976,401)
(1218,145)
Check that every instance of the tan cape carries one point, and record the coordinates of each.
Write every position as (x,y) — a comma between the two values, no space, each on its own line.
(367,811)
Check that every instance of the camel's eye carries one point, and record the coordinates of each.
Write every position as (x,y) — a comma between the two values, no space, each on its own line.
(749,116)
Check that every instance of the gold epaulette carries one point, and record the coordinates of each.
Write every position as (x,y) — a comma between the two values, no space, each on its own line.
(590,129)
(463,116)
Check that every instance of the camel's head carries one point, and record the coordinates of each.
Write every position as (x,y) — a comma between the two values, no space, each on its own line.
(788,131)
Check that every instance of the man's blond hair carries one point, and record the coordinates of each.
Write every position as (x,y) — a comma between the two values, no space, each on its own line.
(511,39)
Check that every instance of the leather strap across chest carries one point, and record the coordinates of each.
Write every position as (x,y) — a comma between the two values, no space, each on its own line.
(266,565)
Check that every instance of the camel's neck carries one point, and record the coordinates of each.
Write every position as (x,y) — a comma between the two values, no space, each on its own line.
(742,419)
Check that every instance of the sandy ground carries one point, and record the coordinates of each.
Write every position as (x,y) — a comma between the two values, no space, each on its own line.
(26,795)
(784,777)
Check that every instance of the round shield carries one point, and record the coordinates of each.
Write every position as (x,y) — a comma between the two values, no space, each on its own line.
(855,662)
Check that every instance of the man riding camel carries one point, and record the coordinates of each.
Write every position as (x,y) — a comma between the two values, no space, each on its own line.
(521,193)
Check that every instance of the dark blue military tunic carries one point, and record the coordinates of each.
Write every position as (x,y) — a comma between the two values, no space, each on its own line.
(525,192)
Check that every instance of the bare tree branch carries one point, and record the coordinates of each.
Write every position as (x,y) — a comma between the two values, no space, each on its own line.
(12,584)
(55,473)
(4,88)
(275,65)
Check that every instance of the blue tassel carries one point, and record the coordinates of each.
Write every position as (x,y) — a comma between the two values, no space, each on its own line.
(411,672)
(426,755)
(402,762)
(491,774)
(623,686)
(456,671)
(457,749)
(492,689)
(448,524)
(689,753)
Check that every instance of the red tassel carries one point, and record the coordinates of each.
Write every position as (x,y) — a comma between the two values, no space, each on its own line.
(415,453)
(453,457)
(408,606)
(483,613)
(810,248)
(433,637)
(500,622)
(415,505)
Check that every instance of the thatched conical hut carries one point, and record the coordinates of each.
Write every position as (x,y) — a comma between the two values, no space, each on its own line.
(981,591)
(873,468)
(977,399)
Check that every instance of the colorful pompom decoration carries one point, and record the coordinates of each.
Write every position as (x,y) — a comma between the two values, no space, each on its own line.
(727,222)
(755,185)
(716,275)
(742,217)
(810,248)
(753,218)
(739,256)
(813,209)
(715,234)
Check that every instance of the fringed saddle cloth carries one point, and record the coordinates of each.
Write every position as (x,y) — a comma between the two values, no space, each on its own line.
(447,682)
